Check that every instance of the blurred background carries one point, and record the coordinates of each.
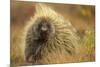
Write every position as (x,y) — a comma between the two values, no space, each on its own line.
(82,18)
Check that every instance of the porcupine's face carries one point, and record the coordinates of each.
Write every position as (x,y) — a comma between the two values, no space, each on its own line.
(44,29)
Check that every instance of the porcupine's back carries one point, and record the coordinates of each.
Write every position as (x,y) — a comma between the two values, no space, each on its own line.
(62,43)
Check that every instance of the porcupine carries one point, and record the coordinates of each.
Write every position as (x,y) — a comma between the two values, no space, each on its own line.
(49,38)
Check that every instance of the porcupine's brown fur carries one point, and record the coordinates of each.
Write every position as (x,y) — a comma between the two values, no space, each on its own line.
(58,45)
